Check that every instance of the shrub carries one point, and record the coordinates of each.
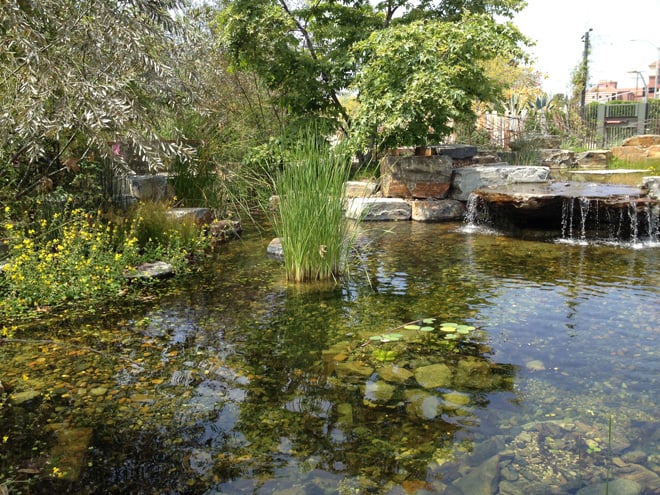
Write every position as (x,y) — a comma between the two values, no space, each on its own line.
(77,257)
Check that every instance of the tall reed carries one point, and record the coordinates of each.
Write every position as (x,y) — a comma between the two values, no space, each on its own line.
(310,218)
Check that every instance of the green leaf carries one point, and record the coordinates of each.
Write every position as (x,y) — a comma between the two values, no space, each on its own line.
(427,329)
(411,327)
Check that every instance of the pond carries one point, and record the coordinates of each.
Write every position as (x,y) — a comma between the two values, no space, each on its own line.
(449,362)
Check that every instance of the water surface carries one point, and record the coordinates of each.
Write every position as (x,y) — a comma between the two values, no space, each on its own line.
(237,383)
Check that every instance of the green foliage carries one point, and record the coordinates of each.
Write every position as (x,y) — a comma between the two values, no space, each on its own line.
(77,77)
(310,218)
(416,78)
(76,258)
(308,54)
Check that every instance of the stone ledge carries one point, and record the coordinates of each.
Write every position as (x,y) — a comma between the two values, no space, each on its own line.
(378,209)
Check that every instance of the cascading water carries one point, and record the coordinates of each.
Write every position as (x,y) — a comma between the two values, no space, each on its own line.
(477,213)
(578,213)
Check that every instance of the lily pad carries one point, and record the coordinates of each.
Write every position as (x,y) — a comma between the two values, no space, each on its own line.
(411,327)
(427,329)
(464,329)
(428,321)
(451,336)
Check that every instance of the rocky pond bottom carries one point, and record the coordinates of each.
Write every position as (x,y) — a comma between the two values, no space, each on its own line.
(449,362)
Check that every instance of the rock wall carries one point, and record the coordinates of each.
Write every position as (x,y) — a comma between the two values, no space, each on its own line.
(638,148)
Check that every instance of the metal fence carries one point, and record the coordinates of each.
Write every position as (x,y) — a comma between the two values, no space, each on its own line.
(605,125)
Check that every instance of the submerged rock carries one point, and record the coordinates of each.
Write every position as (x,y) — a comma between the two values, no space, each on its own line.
(434,375)
(620,487)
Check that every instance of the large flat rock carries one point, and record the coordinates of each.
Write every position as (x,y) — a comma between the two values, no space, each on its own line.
(468,179)
(378,209)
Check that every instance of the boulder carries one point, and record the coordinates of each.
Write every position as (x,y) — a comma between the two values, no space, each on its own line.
(651,186)
(360,189)
(653,152)
(442,210)
(642,140)
(468,179)
(416,176)
(558,158)
(378,209)
(148,187)
(275,250)
(223,230)
(455,151)
(199,216)
(434,375)
(146,271)
(594,159)
(629,153)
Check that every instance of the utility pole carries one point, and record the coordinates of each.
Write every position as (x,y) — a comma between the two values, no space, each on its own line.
(585,69)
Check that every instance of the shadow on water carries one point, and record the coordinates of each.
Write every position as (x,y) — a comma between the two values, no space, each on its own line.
(448,363)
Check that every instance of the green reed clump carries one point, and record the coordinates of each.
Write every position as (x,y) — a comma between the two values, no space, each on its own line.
(310,218)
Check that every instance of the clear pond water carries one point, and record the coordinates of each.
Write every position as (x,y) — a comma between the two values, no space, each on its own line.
(235,383)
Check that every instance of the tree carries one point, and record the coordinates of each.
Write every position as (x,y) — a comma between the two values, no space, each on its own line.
(309,52)
(78,76)
(417,78)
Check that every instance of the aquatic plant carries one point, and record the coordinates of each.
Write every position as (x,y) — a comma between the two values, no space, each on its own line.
(310,218)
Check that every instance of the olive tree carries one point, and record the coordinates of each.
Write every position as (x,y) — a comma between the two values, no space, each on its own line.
(79,76)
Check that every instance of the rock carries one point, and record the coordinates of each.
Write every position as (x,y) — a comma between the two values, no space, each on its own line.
(482,479)
(378,392)
(437,210)
(147,188)
(198,216)
(641,475)
(455,151)
(25,396)
(378,209)
(468,179)
(618,487)
(651,186)
(629,153)
(395,374)
(456,398)
(416,176)
(353,368)
(423,405)
(594,159)
(535,365)
(146,271)
(274,249)
(360,189)
(486,450)
(98,391)
(474,373)
(434,375)
(558,158)
(70,449)
(223,230)
(642,140)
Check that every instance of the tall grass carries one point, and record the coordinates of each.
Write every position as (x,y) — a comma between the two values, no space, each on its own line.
(310,219)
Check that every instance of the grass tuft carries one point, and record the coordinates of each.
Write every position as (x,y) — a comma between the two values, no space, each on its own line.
(310,218)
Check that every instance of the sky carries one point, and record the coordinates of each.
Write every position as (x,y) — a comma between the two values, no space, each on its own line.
(557,26)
